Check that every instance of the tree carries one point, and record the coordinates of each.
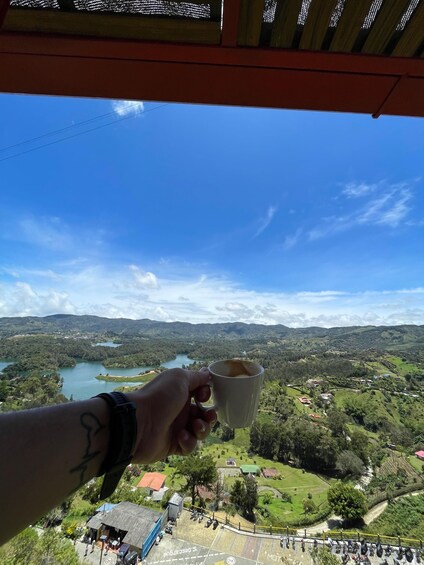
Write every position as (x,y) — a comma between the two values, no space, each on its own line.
(237,493)
(226,432)
(309,506)
(219,492)
(346,501)
(49,549)
(197,469)
(323,556)
(54,549)
(21,547)
(349,465)
(250,500)
(244,496)
(359,444)
(336,422)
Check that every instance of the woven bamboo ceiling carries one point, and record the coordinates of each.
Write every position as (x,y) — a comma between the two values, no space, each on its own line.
(335,55)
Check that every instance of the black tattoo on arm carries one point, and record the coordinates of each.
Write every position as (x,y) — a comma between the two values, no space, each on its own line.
(92,427)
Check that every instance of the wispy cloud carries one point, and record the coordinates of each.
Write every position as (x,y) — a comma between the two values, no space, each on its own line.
(390,207)
(127,107)
(52,234)
(291,240)
(265,221)
(356,190)
(47,232)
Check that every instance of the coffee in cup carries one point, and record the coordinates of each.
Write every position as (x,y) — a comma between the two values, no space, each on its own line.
(236,387)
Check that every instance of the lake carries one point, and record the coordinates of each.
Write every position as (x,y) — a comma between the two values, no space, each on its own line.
(4,364)
(80,381)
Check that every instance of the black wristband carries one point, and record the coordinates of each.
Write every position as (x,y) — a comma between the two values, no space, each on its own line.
(122,438)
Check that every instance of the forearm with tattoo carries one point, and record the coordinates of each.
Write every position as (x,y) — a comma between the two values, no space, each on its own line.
(92,426)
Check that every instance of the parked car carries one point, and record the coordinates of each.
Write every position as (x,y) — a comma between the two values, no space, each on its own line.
(131,558)
(123,550)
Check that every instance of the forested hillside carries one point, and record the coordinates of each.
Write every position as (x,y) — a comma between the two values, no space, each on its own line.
(388,338)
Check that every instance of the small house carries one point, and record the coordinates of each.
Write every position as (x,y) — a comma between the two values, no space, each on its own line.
(250,470)
(270,473)
(305,400)
(420,454)
(132,524)
(152,482)
(231,462)
(313,383)
(326,397)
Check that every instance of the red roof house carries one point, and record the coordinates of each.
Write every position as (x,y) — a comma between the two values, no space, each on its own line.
(270,473)
(152,481)
(420,454)
(305,400)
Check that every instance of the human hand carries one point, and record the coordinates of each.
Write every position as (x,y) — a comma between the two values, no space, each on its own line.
(168,422)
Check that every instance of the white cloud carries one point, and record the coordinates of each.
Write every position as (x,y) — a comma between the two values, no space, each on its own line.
(356,190)
(113,291)
(265,222)
(20,299)
(127,107)
(144,279)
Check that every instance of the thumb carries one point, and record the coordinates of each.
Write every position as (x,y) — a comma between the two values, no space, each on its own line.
(198,378)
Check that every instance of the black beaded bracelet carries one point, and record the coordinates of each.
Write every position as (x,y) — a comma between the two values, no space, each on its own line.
(122,438)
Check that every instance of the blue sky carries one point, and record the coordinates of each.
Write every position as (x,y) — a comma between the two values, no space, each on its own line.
(206,214)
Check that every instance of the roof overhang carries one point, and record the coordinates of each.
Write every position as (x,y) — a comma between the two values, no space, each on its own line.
(238,63)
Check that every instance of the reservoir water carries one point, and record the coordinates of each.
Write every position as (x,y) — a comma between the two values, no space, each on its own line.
(80,381)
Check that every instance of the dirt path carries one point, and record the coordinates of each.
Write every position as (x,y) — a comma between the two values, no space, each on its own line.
(264,488)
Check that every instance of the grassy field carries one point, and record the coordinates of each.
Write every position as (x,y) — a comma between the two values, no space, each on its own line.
(403,367)
(295,482)
(374,400)
(301,408)
(394,463)
(405,517)
(142,378)
(416,463)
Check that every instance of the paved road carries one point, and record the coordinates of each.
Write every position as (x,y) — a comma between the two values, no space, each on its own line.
(334,522)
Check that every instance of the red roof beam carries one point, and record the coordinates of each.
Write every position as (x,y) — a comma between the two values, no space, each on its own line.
(4,6)
(231,16)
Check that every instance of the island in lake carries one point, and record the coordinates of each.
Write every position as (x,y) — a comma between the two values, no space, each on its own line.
(141,378)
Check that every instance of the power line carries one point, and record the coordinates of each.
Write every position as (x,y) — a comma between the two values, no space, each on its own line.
(57,131)
(73,126)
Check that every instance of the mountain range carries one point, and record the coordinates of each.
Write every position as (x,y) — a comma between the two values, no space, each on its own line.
(355,337)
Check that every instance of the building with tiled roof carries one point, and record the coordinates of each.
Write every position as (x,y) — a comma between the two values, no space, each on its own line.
(152,481)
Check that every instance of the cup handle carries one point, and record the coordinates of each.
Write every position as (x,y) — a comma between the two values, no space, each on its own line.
(200,405)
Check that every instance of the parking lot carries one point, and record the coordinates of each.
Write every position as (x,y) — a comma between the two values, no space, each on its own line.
(194,544)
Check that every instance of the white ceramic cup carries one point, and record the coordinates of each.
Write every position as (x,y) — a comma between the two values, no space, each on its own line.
(236,387)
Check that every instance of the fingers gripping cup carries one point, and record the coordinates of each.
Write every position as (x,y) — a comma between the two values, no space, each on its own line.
(236,387)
